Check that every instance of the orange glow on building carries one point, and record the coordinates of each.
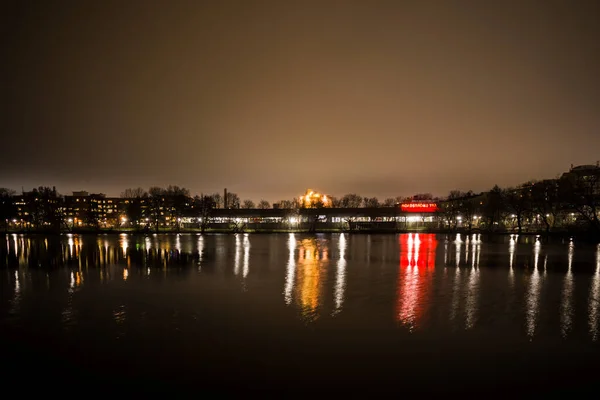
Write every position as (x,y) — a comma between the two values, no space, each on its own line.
(417,265)
(313,199)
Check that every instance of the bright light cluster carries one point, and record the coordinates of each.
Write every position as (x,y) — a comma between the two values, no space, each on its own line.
(314,199)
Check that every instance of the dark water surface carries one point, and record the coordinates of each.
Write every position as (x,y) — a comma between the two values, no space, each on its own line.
(290,314)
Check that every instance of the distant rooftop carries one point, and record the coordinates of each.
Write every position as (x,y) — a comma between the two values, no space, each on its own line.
(585,167)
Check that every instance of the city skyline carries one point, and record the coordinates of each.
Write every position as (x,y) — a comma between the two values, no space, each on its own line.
(300,193)
(266,99)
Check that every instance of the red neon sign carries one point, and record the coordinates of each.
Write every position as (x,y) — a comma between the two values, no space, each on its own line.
(419,207)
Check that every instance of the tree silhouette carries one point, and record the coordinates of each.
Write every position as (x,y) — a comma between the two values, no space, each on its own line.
(545,202)
(352,201)
(156,201)
(177,201)
(8,211)
(389,202)
(371,202)
(518,202)
(248,204)
(493,207)
(581,193)
(287,204)
(233,200)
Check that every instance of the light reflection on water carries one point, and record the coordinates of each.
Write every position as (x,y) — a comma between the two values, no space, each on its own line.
(312,261)
(340,282)
(322,276)
(290,270)
(533,294)
(566,309)
(594,299)
(417,264)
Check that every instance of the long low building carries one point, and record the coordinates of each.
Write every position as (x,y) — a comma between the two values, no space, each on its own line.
(380,218)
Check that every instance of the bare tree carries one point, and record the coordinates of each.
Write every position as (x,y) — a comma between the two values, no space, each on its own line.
(469,206)
(238,225)
(581,192)
(545,202)
(134,193)
(403,199)
(205,205)
(248,204)
(233,200)
(287,204)
(452,207)
(423,196)
(518,201)
(217,199)
(336,202)
(493,208)
(370,202)
(351,201)
(263,205)
(389,202)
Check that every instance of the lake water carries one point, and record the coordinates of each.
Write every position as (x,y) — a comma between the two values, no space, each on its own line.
(289,314)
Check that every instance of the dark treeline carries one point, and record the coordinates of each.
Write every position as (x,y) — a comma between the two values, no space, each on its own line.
(570,201)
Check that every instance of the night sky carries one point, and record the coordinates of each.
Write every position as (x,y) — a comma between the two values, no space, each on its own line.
(268,98)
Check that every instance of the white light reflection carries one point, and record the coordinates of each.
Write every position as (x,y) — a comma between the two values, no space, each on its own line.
(178,242)
(15,303)
(200,252)
(457,244)
(594,301)
(533,294)
(472,298)
(340,282)
(124,243)
(238,253)
(455,294)
(245,269)
(512,247)
(17,284)
(475,250)
(15,246)
(566,309)
(291,270)
(446,251)
(417,242)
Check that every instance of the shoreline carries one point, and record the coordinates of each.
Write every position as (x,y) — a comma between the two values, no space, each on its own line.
(558,234)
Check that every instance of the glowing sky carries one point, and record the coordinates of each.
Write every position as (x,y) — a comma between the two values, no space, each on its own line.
(268,98)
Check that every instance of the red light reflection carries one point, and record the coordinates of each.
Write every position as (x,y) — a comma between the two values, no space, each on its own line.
(417,264)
